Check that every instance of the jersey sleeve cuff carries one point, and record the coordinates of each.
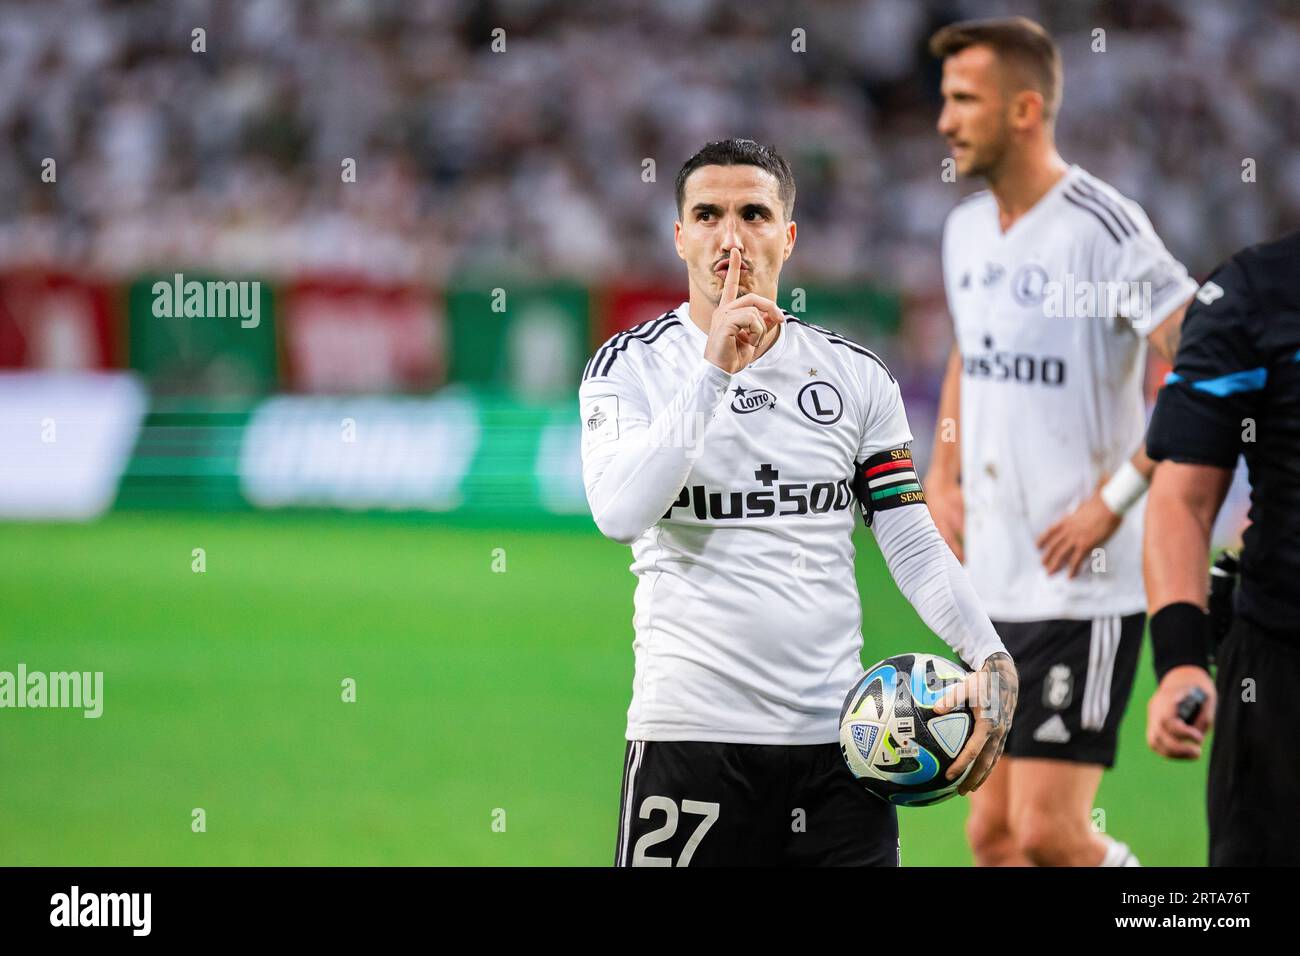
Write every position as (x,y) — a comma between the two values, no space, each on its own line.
(1158,316)
(714,375)
(981,657)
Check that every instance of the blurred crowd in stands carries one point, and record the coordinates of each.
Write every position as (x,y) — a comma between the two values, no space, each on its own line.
(532,160)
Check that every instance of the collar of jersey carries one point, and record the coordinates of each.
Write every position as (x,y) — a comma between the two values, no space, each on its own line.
(1045,202)
(768,358)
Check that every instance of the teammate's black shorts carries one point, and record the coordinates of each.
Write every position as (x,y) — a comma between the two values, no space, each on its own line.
(1253,790)
(1075,681)
(688,803)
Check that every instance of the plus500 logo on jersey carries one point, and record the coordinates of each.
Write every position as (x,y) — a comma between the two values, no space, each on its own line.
(777,499)
(1014,366)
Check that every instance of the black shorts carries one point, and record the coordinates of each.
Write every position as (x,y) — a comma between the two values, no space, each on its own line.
(1075,681)
(1253,789)
(689,803)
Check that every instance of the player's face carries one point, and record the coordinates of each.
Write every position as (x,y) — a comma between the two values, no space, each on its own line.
(738,207)
(974,119)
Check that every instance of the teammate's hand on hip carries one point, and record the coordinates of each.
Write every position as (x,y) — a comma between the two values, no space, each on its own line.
(1070,541)
(943,498)
(1167,734)
(738,324)
(991,694)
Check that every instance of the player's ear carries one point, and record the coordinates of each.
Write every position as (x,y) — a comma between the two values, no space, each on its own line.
(677,239)
(1027,109)
(790,231)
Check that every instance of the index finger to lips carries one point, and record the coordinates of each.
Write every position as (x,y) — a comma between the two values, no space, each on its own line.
(731,284)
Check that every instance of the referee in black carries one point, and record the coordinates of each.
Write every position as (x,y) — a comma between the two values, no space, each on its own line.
(1235,389)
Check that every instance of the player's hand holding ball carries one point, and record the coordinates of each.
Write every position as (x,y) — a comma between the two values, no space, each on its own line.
(991,694)
(739,324)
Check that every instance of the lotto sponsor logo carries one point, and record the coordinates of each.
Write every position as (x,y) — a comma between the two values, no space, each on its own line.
(751,400)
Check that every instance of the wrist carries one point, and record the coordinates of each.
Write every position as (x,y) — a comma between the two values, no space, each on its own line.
(994,659)
(1185,673)
(1124,489)
(1180,637)
(715,371)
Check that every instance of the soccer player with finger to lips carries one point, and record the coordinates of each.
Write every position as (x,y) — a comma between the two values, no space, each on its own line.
(731,444)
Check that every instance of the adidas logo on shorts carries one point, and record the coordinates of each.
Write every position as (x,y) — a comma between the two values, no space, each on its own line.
(1052,731)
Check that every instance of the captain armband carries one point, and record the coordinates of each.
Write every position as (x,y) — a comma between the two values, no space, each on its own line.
(887,480)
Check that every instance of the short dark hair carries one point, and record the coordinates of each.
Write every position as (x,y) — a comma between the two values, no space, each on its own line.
(740,152)
(1017,40)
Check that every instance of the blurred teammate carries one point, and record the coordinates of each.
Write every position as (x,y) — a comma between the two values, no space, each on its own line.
(1054,281)
(1235,389)
(726,442)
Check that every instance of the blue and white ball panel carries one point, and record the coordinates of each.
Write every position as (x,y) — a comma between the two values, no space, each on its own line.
(950,731)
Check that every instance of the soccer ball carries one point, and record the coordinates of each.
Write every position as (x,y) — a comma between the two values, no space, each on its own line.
(890,736)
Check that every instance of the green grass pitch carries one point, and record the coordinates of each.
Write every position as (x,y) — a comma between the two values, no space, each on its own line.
(477,692)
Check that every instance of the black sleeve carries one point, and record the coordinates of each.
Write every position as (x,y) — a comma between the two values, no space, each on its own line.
(1218,377)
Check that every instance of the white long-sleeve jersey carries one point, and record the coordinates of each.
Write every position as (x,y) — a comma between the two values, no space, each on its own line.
(736,495)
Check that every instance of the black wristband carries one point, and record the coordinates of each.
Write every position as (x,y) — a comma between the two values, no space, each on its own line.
(1180,635)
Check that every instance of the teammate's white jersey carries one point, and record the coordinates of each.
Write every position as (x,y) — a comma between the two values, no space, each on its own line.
(747,613)
(1051,320)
